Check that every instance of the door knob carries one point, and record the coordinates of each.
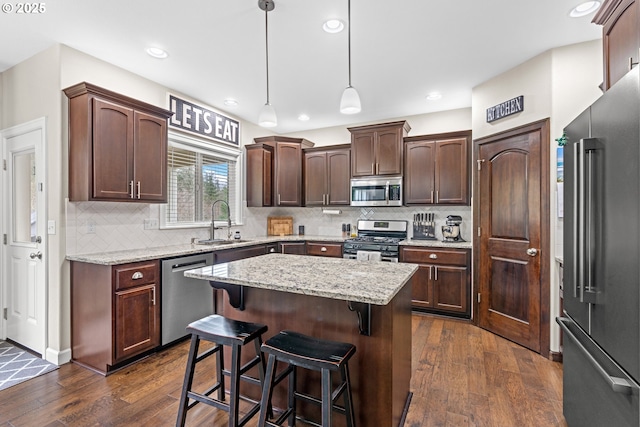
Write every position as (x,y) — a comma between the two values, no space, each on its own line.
(532,252)
(34,255)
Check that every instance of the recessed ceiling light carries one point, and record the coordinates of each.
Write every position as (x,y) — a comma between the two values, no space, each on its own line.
(230,102)
(434,96)
(157,52)
(333,26)
(303,117)
(584,9)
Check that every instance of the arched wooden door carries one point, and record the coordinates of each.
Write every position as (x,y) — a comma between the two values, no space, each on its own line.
(512,240)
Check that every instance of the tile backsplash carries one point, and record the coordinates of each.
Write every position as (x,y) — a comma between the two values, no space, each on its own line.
(95,227)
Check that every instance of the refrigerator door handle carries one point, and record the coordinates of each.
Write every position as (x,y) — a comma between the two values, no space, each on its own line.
(617,384)
(585,223)
(578,215)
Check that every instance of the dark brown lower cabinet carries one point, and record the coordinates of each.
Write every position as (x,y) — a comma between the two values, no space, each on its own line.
(115,309)
(135,319)
(324,249)
(235,254)
(115,313)
(442,283)
(296,248)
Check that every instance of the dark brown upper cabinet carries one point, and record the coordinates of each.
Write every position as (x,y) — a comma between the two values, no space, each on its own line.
(327,172)
(620,38)
(117,147)
(437,169)
(377,149)
(259,175)
(286,182)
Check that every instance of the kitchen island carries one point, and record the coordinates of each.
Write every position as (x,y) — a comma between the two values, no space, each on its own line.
(365,303)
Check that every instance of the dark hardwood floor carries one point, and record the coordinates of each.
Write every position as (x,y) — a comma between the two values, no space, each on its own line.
(462,376)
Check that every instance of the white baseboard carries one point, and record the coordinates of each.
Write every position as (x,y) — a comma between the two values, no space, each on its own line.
(58,357)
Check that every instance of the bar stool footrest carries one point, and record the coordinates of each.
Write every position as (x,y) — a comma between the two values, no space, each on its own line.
(200,357)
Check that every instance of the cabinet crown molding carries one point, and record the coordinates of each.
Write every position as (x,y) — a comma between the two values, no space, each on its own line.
(89,88)
(402,123)
(606,11)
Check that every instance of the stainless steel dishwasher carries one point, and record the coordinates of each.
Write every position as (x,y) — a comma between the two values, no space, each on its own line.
(183,299)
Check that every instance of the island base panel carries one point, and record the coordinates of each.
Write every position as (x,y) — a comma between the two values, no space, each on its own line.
(381,367)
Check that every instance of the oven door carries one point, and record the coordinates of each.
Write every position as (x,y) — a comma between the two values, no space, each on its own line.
(376,192)
(383,258)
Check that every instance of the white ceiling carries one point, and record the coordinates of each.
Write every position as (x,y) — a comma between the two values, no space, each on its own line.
(401,50)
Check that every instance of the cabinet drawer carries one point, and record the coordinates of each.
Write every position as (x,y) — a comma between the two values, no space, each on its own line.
(130,275)
(434,256)
(324,249)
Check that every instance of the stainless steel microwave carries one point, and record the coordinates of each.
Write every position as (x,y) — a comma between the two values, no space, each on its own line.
(376,191)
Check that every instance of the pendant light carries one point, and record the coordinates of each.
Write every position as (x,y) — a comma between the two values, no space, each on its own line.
(267,117)
(350,102)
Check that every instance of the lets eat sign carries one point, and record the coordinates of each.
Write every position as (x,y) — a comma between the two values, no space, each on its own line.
(202,121)
(505,109)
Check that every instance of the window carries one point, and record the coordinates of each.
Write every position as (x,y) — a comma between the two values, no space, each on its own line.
(201,172)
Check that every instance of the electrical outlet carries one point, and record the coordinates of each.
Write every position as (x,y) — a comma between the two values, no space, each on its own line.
(150,224)
(91,227)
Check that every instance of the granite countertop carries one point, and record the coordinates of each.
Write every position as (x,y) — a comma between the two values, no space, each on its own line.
(337,278)
(437,244)
(136,255)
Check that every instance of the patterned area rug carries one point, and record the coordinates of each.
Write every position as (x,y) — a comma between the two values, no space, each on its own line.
(17,365)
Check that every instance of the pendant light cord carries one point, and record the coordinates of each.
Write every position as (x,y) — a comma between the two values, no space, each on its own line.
(349,37)
(266,42)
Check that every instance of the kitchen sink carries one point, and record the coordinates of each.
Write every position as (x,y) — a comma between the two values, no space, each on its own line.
(219,242)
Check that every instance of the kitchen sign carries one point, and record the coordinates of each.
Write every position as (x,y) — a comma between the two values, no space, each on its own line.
(202,121)
(504,109)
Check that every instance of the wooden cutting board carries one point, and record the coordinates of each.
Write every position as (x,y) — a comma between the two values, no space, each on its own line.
(279,226)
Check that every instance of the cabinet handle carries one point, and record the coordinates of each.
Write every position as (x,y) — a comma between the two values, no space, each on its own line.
(372,169)
(138,189)
(153,295)
(631,63)
(432,199)
(437,197)
(377,168)
(433,256)
(137,275)
(430,267)
(436,273)
(131,189)
(272,250)
(323,249)
(278,198)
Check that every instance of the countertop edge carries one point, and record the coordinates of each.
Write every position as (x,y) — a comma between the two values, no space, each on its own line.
(146,254)
(355,295)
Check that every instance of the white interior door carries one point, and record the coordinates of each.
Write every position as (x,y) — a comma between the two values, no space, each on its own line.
(24,234)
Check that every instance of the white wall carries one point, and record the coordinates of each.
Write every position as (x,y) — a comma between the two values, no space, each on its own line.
(422,124)
(31,90)
(557,84)
(574,87)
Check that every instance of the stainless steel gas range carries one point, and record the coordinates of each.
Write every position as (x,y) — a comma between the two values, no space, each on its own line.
(376,240)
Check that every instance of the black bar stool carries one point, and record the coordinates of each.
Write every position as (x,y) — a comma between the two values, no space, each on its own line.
(222,332)
(310,353)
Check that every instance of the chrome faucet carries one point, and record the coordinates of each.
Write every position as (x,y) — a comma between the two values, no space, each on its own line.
(213,220)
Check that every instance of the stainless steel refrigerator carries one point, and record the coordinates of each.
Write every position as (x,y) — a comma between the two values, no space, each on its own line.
(601,321)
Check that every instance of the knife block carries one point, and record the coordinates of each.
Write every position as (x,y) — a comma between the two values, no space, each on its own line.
(423,230)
